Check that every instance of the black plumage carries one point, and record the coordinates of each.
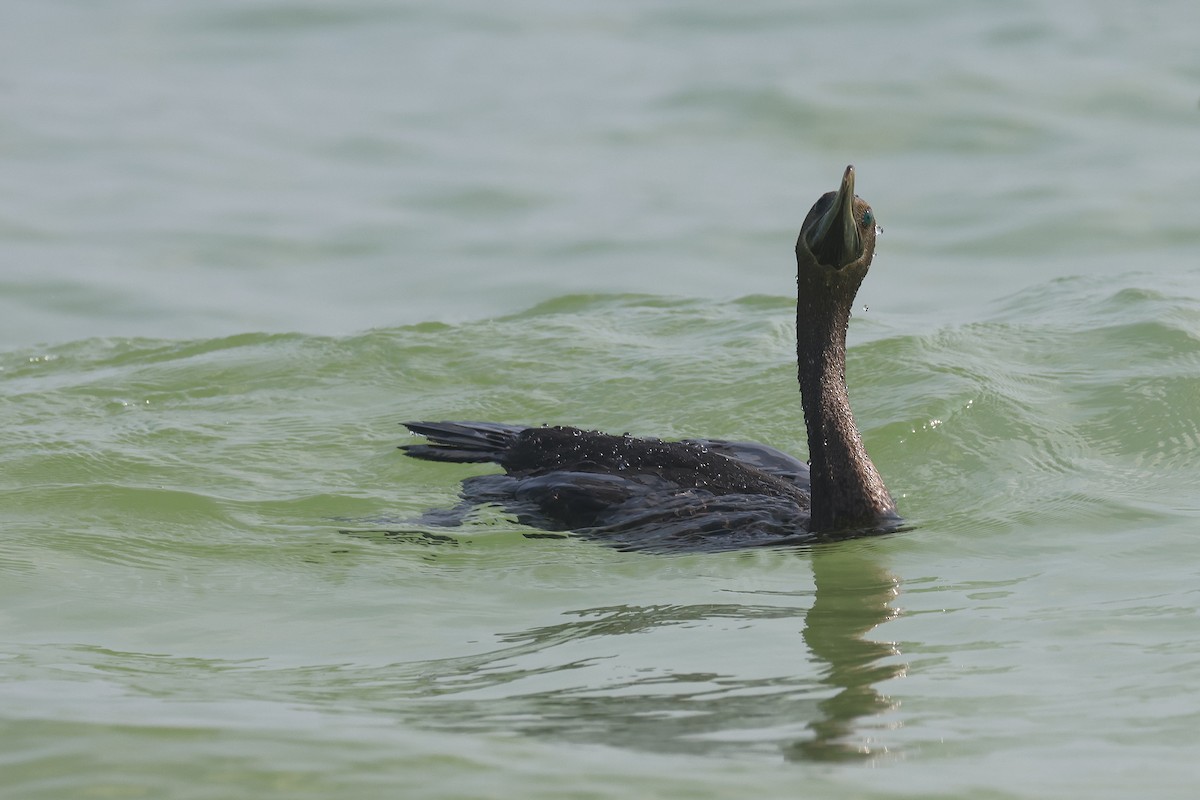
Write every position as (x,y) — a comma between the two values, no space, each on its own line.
(643,493)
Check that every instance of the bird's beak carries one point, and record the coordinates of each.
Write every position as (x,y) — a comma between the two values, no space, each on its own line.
(835,240)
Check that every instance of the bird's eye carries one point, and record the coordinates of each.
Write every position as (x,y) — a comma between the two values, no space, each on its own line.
(868,218)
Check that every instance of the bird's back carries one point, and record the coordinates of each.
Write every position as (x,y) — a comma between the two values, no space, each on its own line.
(633,492)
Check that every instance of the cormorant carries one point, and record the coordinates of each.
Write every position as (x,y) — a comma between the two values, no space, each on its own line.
(704,494)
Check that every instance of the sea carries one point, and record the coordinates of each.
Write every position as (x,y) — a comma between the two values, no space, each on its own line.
(241,241)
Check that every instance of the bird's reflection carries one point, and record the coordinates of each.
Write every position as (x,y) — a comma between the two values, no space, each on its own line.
(853,596)
(582,679)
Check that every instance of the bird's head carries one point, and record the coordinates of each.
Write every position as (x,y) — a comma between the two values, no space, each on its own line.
(838,235)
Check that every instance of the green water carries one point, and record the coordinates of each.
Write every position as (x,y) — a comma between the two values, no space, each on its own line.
(239,244)
(210,586)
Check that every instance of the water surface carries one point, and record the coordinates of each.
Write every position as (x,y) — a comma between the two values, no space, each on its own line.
(241,243)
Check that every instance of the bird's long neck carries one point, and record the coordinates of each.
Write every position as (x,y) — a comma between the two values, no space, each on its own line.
(847,492)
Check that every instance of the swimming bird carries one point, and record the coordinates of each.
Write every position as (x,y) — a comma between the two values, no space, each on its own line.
(706,494)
